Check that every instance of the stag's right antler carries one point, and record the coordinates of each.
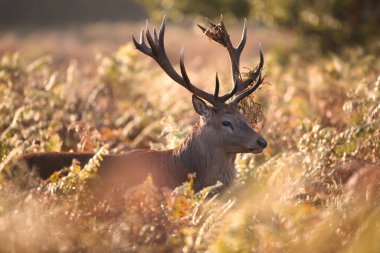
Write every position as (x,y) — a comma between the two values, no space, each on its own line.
(157,52)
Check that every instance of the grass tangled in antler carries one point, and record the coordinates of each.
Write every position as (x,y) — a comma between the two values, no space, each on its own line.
(216,32)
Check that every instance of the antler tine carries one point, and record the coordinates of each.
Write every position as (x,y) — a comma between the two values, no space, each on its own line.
(216,93)
(204,29)
(142,45)
(253,76)
(161,33)
(243,39)
(231,93)
(249,91)
(152,43)
(155,35)
(233,52)
(210,22)
(213,99)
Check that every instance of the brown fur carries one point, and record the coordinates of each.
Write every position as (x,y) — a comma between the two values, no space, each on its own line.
(209,151)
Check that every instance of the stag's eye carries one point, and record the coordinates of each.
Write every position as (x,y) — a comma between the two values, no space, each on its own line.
(226,123)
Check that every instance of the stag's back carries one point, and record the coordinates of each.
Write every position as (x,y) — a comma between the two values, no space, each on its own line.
(127,169)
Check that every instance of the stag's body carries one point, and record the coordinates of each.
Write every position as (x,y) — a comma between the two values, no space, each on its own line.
(210,150)
(168,168)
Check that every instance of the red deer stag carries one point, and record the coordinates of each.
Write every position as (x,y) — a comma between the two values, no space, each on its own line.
(210,149)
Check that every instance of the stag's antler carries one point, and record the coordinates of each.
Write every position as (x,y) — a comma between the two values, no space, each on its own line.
(219,34)
(157,52)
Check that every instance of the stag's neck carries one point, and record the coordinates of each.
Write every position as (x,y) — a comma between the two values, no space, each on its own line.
(197,154)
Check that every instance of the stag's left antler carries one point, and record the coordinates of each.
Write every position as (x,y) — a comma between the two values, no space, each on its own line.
(219,34)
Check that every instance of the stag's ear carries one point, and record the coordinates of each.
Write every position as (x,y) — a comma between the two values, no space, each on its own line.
(201,107)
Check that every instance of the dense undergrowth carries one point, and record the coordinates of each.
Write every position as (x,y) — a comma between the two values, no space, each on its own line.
(322,126)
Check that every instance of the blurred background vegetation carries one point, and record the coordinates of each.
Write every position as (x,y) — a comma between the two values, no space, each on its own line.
(326,23)
(71,80)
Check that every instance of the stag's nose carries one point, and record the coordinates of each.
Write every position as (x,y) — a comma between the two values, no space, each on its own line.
(262,142)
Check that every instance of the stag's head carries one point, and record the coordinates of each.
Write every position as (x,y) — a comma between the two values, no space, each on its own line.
(221,120)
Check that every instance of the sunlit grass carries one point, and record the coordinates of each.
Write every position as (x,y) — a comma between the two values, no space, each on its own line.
(322,126)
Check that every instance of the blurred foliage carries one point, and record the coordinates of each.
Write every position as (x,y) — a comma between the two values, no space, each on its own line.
(213,8)
(328,24)
(322,126)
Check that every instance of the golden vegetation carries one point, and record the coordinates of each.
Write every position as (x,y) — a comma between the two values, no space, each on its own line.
(322,126)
